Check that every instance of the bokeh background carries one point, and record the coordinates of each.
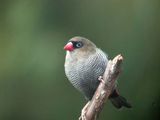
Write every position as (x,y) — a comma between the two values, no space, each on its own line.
(33,85)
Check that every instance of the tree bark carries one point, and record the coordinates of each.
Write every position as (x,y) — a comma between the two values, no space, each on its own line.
(95,106)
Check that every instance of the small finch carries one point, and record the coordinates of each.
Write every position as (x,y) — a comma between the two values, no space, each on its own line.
(84,64)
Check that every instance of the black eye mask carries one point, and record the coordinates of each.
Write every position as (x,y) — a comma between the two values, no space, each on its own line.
(77,44)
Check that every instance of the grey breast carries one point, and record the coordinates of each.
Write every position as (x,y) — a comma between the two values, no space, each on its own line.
(84,73)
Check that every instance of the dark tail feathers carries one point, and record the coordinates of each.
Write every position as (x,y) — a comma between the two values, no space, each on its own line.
(119,101)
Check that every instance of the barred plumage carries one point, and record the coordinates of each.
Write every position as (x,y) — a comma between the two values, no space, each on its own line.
(83,74)
(84,64)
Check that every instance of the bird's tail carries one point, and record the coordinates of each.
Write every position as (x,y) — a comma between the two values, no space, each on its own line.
(119,101)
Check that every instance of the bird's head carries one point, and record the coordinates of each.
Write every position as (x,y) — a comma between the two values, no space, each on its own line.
(80,45)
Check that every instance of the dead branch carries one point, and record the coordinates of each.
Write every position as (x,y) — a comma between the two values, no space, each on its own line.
(94,107)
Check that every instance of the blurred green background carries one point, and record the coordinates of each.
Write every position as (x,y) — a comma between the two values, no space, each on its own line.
(33,85)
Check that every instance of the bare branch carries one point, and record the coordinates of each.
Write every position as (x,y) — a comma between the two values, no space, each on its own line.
(104,89)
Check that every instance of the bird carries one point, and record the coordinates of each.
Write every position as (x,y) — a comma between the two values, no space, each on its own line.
(84,64)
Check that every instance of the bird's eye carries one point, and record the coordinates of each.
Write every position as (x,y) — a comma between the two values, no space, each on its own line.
(79,44)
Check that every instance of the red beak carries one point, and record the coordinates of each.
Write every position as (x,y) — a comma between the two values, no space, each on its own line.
(69,46)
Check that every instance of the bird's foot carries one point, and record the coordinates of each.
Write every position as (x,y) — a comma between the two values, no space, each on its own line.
(101,79)
(83,112)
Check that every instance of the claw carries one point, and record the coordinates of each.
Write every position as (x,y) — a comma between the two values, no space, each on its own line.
(101,79)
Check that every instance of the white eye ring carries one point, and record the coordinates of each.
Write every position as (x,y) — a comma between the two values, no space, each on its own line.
(79,44)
